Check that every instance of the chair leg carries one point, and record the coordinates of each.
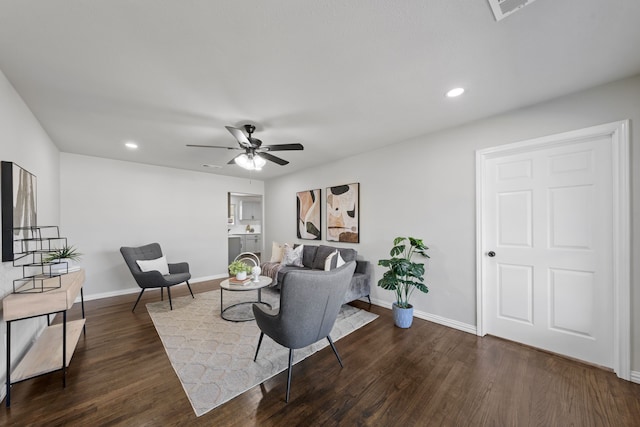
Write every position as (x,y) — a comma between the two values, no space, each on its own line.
(259,343)
(137,301)
(333,347)
(189,286)
(369,298)
(169,294)
(161,294)
(289,374)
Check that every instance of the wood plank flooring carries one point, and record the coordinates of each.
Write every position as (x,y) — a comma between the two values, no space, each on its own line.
(426,375)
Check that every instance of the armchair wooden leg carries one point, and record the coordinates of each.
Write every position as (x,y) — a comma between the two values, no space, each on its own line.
(259,343)
(333,347)
(169,294)
(134,305)
(289,374)
(189,286)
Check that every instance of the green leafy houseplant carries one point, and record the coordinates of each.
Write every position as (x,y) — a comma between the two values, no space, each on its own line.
(238,266)
(65,252)
(403,275)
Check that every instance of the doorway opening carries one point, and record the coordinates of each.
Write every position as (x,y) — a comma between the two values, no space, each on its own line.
(244,224)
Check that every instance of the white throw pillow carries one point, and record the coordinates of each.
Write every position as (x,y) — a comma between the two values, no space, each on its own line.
(340,262)
(159,264)
(293,256)
(277,252)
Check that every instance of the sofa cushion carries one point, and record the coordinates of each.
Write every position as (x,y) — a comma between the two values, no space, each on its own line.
(308,254)
(348,254)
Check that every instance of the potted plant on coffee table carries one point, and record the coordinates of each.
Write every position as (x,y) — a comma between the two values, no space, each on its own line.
(239,269)
(404,276)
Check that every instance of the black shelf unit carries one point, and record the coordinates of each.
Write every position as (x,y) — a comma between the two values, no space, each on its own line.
(30,250)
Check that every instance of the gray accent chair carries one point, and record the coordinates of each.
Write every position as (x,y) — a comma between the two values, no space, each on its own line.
(309,305)
(178,272)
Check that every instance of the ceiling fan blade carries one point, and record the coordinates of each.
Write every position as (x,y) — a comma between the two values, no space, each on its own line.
(239,136)
(282,147)
(273,158)
(214,146)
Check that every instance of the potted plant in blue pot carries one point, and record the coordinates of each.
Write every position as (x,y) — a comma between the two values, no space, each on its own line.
(404,276)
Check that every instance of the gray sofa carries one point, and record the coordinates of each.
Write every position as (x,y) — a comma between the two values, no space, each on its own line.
(313,258)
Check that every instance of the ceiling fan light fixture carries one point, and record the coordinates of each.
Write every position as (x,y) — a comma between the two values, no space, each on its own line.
(248,162)
(259,162)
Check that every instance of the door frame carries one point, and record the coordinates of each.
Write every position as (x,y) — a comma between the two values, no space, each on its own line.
(618,133)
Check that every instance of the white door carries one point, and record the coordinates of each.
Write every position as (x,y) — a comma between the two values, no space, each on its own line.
(548,225)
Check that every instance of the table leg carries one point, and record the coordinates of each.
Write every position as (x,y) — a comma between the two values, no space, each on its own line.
(8,398)
(64,349)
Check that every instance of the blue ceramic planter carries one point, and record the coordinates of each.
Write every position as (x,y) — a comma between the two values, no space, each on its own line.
(403,317)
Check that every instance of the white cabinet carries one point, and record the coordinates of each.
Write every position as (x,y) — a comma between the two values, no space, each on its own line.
(250,209)
(252,243)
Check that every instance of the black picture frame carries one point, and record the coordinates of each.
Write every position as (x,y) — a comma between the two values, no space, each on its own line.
(343,213)
(309,214)
(18,196)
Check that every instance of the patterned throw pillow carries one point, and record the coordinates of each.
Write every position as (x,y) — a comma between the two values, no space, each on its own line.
(293,256)
(334,260)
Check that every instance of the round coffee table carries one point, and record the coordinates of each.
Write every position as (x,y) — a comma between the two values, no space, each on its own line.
(225,285)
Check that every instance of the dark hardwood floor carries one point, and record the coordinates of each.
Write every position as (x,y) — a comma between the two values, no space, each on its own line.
(426,375)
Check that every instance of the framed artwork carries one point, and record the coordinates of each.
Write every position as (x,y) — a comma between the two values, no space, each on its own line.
(343,213)
(18,194)
(308,214)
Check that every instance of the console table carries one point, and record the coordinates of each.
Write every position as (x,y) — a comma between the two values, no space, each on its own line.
(54,348)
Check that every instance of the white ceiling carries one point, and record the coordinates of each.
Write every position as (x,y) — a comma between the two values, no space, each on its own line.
(337,76)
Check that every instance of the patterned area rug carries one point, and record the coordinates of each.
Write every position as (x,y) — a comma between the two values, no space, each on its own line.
(214,357)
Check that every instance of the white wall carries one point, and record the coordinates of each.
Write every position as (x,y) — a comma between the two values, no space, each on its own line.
(23,141)
(426,188)
(106,204)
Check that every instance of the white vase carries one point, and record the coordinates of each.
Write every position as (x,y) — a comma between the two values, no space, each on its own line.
(241,275)
(63,266)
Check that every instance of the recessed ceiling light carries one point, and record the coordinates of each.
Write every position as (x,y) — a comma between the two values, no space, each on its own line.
(455,92)
(131,145)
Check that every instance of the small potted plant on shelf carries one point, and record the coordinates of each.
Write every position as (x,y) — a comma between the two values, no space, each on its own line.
(404,276)
(64,259)
(239,269)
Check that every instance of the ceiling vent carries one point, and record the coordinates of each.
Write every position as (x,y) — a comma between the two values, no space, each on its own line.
(503,8)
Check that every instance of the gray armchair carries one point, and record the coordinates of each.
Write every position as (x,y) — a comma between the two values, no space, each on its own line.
(178,273)
(309,304)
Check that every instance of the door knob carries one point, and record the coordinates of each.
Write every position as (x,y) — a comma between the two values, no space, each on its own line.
(491,254)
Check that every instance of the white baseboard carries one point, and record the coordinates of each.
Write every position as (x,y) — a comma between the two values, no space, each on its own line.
(635,377)
(90,297)
(464,327)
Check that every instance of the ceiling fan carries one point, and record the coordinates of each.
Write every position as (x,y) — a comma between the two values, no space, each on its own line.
(256,154)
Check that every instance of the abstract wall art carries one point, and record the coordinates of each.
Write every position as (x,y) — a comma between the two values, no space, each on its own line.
(18,195)
(308,214)
(343,213)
